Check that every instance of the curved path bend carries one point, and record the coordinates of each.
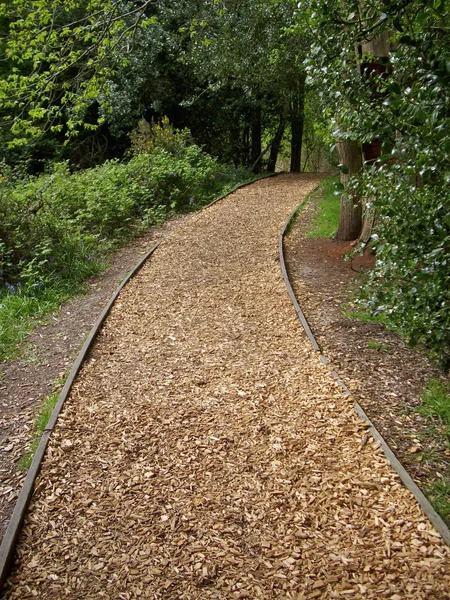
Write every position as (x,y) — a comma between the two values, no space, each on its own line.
(206,452)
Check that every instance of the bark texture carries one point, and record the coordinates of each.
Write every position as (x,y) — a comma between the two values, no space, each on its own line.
(350,216)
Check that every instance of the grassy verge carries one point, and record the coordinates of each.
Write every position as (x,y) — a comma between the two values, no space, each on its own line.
(436,405)
(325,222)
(435,438)
(40,423)
(22,310)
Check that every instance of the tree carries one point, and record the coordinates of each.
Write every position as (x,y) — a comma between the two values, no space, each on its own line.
(350,214)
(297,122)
(261,62)
(60,57)
(399,112)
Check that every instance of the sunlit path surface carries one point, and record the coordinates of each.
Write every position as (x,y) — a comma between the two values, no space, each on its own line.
(205,452)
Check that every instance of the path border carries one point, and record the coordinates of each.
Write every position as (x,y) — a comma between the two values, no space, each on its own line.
(9,540)
(437,522)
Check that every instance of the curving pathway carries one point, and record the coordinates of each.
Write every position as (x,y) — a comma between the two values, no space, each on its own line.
(206,452)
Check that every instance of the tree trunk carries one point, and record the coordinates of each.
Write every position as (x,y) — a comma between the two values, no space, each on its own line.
(276,142)
(245,155)
(350,215)
(379,49)
(369,216)
(256,152)
(297,123)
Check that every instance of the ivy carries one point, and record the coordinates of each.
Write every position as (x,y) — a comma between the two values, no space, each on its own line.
(407,107)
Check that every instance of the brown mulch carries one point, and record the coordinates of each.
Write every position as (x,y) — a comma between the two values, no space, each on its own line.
(385,375)
(206,452)
(50,351)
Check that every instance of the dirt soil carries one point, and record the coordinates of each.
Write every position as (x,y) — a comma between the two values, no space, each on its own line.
(50,351)
(206,452)
(385,375)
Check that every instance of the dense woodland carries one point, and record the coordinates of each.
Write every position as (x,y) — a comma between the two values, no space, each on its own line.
(115,113)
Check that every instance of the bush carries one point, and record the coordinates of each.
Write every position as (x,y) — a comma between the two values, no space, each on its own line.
(60,224)
(409,286)
(57,228)
(145,138)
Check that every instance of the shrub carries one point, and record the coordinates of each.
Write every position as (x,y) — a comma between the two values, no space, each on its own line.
(145,138)
(57,228)
(409,286)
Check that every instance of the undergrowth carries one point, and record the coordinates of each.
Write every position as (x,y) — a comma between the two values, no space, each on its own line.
(325,221)
(58,228)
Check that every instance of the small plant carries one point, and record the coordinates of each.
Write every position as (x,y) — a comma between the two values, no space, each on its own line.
(378,346)
(40,423)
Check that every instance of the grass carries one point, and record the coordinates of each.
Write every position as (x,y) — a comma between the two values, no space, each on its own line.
(436,405)
(378,346)
(362,315)
(40,423)
(21,311)
(326,220)
(18,314)
(438,494)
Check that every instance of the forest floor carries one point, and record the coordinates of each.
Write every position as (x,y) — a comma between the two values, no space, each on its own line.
(206,452)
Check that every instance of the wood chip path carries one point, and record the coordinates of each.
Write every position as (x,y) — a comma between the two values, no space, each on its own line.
(206,452)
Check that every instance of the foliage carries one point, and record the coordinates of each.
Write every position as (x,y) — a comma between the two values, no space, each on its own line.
(145,138)
(317,156)
(405,106)
(57,228)
(60,56)
(79,75)
(260,65)
(436,404)
(409,284)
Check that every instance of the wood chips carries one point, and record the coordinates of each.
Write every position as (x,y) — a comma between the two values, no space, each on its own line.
(206,452)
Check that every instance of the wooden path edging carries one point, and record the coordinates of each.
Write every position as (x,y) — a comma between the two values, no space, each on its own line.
(10,538)
(437,522)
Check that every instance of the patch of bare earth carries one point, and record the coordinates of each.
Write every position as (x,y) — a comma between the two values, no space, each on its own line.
(206,452)
(386,376)
(51,350)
